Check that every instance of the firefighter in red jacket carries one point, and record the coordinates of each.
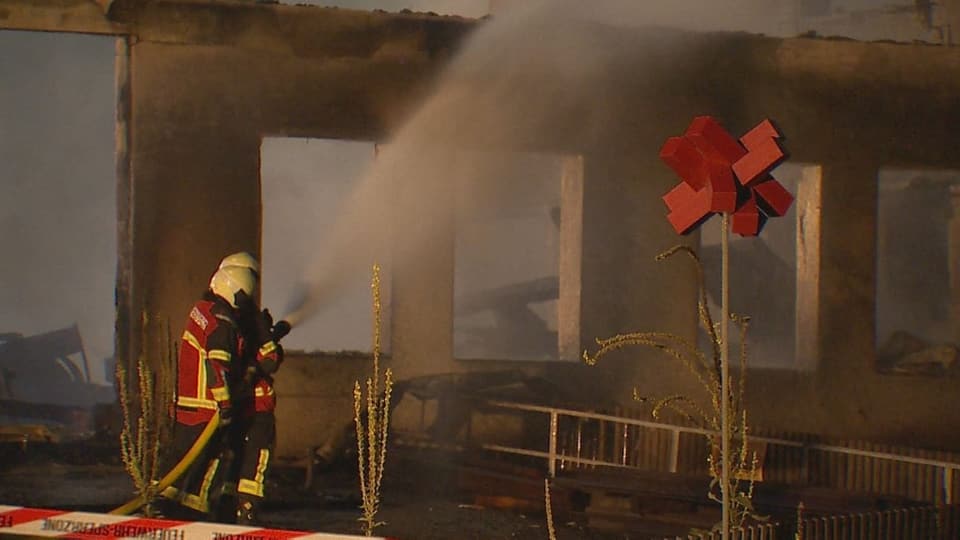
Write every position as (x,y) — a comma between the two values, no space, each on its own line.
(256,422)
(211,349)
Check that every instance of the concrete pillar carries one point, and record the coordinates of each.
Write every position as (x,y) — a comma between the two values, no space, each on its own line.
(848,258)
(571,258)
(421,318)
(123,337)
(809,217)
(195,186)
(954,261)
(624,289)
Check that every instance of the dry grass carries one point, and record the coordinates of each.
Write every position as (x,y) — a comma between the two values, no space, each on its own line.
(372,444)
(799,534)
(551,530)
(145,424)
(706,368)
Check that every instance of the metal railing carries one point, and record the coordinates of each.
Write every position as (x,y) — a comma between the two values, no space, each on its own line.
(941,492)
(918,523)
(766,531)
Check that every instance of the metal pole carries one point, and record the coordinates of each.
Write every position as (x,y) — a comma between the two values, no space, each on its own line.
(579,440)
(675,451)
(725,376)
(552,466)
(947,485)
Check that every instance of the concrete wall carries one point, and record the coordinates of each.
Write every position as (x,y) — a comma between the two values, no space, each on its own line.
(854,108)
(199,110)
(196,114)
(315,400)
(204,93)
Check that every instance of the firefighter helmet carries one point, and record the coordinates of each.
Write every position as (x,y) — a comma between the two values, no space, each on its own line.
(242,259)
(230,281)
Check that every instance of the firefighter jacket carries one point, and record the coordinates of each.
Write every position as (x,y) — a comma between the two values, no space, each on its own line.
(262,362)
(210,343)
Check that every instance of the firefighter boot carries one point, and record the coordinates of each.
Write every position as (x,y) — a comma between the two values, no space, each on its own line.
(246,512)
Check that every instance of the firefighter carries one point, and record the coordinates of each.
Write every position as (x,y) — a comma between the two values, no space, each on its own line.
(256,425)
(211,350)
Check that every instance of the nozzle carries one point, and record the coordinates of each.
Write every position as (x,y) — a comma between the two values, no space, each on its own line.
(281,329)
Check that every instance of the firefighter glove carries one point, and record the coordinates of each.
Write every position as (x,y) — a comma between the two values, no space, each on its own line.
(267,317)
(264,323)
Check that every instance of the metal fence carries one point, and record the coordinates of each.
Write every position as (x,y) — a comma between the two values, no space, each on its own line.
(582,439)
(588,440)
(920,523)
(767,531)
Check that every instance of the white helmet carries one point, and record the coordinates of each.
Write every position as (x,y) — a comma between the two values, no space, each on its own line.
(229,281)
(242,259)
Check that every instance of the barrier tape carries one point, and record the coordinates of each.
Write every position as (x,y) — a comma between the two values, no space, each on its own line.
(18,520)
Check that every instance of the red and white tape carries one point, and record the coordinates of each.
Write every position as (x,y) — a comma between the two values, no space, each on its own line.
(85,525)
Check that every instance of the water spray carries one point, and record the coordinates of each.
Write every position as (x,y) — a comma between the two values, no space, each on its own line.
(527,80)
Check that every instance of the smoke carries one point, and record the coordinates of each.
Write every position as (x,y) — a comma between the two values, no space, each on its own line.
(538,72)
(58,210)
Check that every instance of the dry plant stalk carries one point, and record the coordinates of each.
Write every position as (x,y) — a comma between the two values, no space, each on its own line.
(166,383)
(743,463)
(799,534)
(551,531)
(141,434)
(372,445)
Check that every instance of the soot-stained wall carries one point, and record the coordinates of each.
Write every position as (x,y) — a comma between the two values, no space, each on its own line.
(202,94)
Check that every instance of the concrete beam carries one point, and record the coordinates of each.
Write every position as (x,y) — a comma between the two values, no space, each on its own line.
(835,99)
(870,64)
(75,16)
(297,30)
(891,100)
(301,31)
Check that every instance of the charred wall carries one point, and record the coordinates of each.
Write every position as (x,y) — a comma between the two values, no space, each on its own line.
(205,83)
(853,108)
(203,93)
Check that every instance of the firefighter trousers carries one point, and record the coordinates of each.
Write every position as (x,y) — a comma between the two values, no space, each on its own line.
(259,439)
(199,487)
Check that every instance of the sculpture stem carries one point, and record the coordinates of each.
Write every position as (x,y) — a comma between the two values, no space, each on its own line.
(725,375)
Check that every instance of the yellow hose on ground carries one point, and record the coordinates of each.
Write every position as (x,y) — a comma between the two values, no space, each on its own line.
(178,469)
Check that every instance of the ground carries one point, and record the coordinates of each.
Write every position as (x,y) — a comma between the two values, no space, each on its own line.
(417,505)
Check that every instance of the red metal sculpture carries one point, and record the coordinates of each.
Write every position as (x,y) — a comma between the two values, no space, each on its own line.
(721,175)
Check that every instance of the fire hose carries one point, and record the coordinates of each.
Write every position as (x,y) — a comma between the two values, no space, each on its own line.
(177,471)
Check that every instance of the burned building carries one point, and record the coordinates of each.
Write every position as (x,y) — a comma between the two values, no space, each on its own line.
(45,380)
(200,84)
